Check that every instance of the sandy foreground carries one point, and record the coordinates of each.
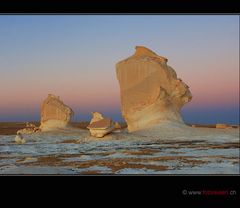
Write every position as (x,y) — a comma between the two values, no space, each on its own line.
(164,149)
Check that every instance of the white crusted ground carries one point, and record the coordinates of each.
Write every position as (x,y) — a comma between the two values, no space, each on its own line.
(162,150)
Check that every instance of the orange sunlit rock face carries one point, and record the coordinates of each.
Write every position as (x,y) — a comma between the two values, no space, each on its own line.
(150,91)
(54,113)
(100,126)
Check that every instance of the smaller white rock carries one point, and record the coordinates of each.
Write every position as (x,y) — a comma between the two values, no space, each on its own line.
(19,139)
(100,126)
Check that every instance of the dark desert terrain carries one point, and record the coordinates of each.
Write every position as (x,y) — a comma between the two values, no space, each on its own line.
(10,128)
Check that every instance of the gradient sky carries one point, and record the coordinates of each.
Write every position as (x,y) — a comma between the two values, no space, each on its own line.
(74,56)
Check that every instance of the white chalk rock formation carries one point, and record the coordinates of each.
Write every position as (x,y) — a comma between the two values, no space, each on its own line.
(19,139)
(54,113)
(117,125)
(223,126)
(30,129)
(151,92)
(100,126)
(96,117)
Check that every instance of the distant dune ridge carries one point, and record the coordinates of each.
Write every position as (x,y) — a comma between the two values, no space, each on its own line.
(151,92)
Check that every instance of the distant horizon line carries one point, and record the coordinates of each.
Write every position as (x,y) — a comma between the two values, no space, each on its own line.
(80,121)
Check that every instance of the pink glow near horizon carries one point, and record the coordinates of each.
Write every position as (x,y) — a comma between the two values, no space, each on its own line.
(85,91)
(204,94)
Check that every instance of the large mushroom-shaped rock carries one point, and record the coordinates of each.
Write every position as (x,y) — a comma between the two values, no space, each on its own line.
(54,113)
(150,91)
(100,126)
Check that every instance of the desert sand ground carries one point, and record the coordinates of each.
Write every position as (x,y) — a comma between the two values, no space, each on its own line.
(164,149)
